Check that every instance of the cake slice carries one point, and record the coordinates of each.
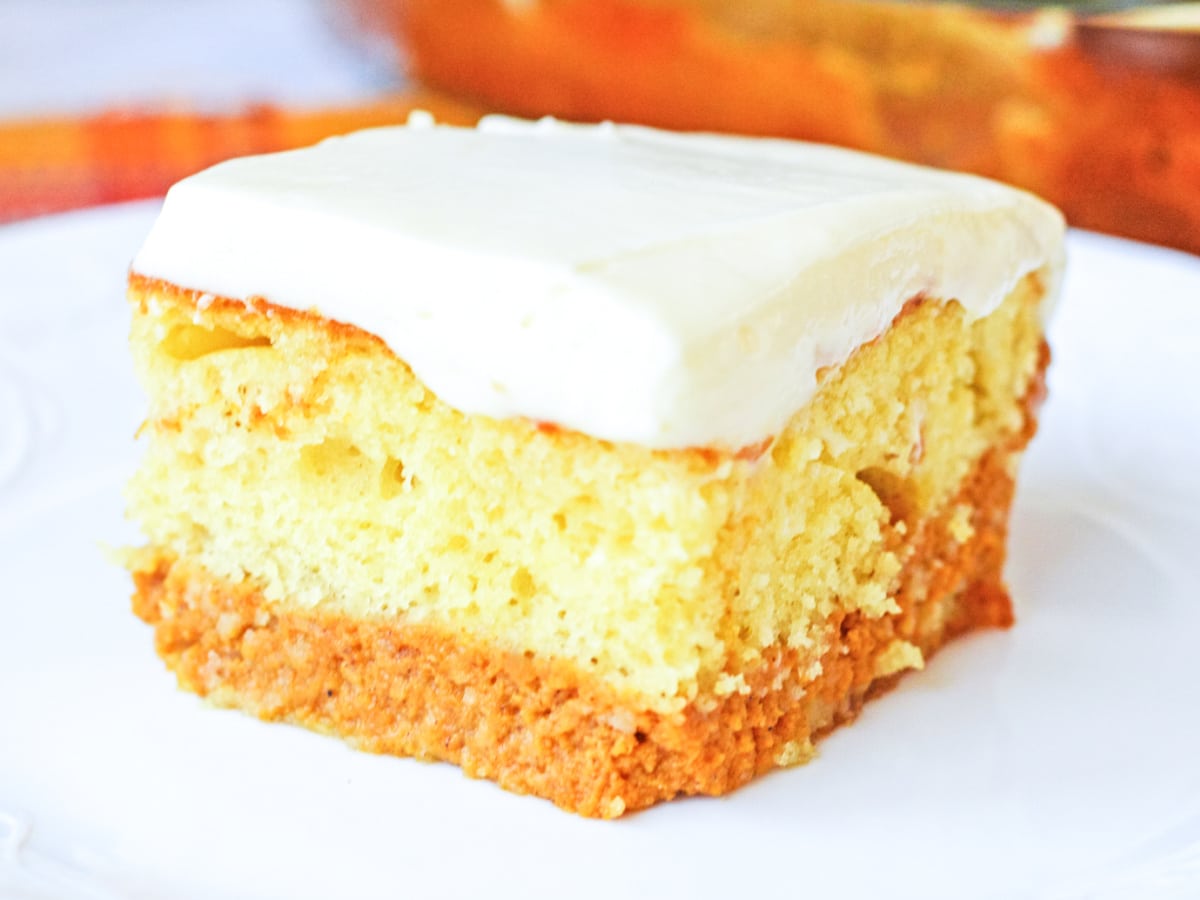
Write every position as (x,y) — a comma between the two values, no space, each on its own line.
(607,463)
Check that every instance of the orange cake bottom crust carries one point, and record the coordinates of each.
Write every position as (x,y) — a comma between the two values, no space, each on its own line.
(545,727)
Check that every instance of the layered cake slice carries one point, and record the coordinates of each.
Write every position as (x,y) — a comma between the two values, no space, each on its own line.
(607,463)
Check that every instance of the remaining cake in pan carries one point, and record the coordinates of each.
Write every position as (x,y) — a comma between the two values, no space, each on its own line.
(1098,113)
(608,463)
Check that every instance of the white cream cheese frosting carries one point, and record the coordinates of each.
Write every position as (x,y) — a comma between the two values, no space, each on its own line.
(637,285)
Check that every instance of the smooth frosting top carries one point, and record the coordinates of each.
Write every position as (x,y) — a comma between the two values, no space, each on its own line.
(637,285)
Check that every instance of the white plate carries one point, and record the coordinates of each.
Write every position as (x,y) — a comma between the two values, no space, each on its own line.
(1060,759)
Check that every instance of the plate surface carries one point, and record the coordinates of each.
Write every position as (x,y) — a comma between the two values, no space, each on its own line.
(1055,760)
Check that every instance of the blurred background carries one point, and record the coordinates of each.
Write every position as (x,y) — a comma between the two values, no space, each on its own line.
(1095,106)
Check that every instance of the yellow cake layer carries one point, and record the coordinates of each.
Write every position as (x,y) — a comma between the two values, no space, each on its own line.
(303,457)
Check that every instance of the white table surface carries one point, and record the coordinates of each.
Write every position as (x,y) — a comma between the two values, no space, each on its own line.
(73,56)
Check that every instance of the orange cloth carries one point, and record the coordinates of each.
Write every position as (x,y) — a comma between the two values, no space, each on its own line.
(54,165)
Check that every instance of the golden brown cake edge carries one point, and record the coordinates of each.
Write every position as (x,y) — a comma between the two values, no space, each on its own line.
(542,727)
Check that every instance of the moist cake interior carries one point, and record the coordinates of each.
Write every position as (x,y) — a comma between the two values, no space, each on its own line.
(600,623)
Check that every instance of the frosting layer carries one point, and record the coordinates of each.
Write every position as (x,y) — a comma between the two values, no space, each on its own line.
(636,285)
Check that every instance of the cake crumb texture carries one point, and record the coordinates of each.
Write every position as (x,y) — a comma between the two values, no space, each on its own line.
(599,624)
(550,727)
(301,459)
